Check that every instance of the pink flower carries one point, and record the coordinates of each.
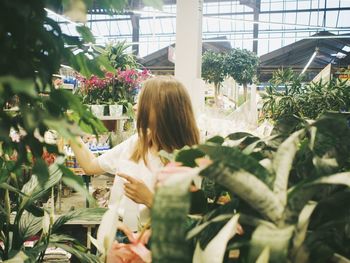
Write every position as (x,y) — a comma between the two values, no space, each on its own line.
(135,252)
(132,78)
(109,75)
(169,170)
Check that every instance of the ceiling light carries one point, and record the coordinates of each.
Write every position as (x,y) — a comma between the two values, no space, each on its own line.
(346,48)
(310,61)
(340,55)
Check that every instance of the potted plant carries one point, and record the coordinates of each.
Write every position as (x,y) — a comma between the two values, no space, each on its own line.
(289,192)
(130,80)
(116,90)
(241,65)
(123,82)
(288,96)
(213,70)
(112,96)
(94,91)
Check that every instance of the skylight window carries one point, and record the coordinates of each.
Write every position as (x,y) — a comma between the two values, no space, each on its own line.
(346,48)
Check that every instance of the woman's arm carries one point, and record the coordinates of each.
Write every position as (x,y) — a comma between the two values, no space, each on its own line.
(86,159)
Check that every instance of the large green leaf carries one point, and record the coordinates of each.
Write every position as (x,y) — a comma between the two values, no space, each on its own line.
(282,163)
(238,135)
(88,122)
(251,147)
(35,210)
(249,188)
(234,159)
(2,210)
(277,239)
(340,259)
(198,229)
(63,127)
(105,63)
(85,214)
(11,188)
(217,140)
(301,193)
(85,66)
(242,139)
(331,142)
(20,257)
(108,228)
(33,190)
(18,86)
(253,221)
(78,251)
(40,169)
(339,178)
(301,227)
(35,252)
(215,224)
(215,250)
(264,257)
(188,156)
(169,216)
(325,165)
(86,34)
(76,182)
(29,225)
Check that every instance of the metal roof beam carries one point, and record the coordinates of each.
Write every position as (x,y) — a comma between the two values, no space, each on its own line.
(304,44)
(332,47)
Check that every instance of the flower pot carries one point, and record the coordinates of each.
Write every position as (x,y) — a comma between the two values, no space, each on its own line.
(97,110)
(116,110)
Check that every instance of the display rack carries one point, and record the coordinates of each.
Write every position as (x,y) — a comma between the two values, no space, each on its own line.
(114,123)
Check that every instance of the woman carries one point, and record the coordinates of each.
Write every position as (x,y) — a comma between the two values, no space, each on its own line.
(165,121)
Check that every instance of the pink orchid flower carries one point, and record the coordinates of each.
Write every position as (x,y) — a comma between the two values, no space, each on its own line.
(172,169)
(135,252)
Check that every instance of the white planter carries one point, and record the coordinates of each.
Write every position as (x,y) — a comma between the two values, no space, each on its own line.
(115,110)
(97,110)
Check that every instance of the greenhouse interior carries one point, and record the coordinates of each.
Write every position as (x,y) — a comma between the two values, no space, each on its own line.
(174,131)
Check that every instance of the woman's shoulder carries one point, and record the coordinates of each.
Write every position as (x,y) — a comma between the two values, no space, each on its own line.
(133,138)
(125,146)
(131,141)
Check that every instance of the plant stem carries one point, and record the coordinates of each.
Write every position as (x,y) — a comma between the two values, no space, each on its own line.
(143,231)
(7,228)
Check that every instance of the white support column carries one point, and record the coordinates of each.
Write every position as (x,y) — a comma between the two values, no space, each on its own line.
(189,49)
(236,94)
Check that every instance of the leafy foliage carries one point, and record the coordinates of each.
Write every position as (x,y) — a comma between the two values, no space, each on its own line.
(169,221)
(286,193)
(119,57)
(31,220)
(241,65)
(213,69)
(32,47)
(287,96)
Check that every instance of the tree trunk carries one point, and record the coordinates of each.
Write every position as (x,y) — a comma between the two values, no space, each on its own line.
(217,90)
(245,92)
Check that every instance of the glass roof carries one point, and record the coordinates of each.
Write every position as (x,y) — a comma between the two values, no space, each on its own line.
(281,22)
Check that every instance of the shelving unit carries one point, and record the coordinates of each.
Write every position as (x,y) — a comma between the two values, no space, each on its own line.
(114,123)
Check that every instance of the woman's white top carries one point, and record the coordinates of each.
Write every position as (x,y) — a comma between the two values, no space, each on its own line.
(116,160)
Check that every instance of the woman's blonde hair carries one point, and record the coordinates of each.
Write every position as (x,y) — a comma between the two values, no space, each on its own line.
(165,118)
